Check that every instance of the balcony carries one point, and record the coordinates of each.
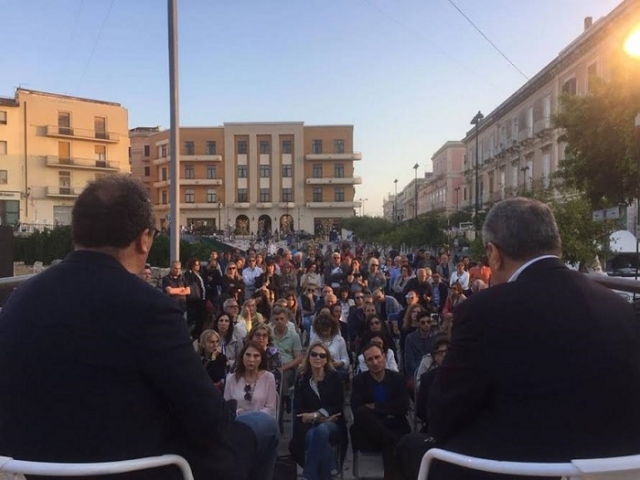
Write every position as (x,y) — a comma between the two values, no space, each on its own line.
(350,205)
(201,206)
(63,192)
(335,181)
(189,182)
(286,205)
(82,164)
(333,156)
(189,158)
(264,205)
(81,134)
(241,205)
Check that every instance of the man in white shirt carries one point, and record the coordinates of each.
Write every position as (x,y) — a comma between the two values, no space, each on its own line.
(460,276)
(249,275)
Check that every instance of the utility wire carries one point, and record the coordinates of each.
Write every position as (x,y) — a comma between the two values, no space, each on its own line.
(95,46)
(63,64)
(487,38)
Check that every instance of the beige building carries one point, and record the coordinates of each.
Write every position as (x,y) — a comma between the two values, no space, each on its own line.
(253,177)
(518,149)
(50,146)
(443,191)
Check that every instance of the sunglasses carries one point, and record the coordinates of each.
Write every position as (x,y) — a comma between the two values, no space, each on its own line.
(248,392)
(359,297)
(231,268)
(320,355)
(154,232)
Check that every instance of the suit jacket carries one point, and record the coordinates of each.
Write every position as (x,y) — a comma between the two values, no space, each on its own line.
(96,365)
(543,369)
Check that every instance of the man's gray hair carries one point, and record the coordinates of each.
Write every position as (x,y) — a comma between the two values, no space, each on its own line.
(522,228)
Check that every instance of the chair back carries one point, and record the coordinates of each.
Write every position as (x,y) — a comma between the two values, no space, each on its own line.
(49,469)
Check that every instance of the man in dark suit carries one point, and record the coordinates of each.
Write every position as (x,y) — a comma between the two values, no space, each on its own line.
(544,366)
(96,365)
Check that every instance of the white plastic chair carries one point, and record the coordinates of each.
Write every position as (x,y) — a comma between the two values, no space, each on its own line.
(21,467)
(618,468)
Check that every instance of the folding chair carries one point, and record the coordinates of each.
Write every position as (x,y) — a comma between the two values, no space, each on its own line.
(21,467)
(614,468)
(368,454)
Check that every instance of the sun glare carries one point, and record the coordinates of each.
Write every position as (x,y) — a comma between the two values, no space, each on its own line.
(632,44)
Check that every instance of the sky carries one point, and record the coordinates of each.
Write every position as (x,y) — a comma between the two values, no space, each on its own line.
(408,74)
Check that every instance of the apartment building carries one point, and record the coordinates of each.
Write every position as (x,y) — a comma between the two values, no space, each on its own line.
(518,149)
(253,178)
(51,145)
(443,192)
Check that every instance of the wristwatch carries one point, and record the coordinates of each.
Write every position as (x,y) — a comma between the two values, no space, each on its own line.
(315,416)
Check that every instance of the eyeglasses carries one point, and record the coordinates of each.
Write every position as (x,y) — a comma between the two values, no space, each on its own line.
(321,355)
(248,392)
(233,306)
(154,232)
(374,265)
(260,335)
(231,268)
(359,297)
(375,322)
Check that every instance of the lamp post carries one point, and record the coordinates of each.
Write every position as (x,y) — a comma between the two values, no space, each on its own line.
(476,121)
(457,190)
(395,203)
(219,216)
(524,171)
(362,200)
(415,199)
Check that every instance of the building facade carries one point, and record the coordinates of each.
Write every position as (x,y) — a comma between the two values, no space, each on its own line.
(443,191)
(518,148)
(50,146)
(253,178)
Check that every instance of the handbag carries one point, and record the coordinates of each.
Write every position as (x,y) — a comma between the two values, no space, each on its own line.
(285,468)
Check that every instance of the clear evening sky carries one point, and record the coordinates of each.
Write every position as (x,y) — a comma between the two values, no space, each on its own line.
(409,75)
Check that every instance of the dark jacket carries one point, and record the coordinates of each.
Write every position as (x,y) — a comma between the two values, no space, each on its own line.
(306,401)
(542,369)
(96,365)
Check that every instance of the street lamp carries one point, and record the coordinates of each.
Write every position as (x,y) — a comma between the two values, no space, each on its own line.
(457,190)
(524,171)
(415,200)
(395,203)
(476,121)
(219,216)
(362,200)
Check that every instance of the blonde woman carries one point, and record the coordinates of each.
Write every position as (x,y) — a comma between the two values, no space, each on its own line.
(250,315)
(214,361)
(319,419)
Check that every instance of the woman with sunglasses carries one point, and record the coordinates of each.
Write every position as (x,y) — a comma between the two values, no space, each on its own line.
(232,283)
(326,329)
(252,386)
(318,409)
(230,343)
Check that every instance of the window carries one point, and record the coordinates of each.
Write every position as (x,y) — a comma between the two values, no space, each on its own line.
(317,171)
(163,151)
(211,172)
(265,147)
(546,111)
(3,117)
(189,172)
(4,177)
(316,146)
(317,194)
(569,87)
(592,73)
(64,183)
(546,168)
(265,195)
(242,171)
(100,127)
(147,150)
(147,171)
(338,146)
(190,196)
(100,155)
(211,195)
(211,147)
(338,170)
(163,175)
(338,194)
(3,147)
(64,123)
(265,171)
(164,197)
(286,146)
(242,195)
(242,147)
(287,195)
(189,148)
(514,176)
(287,171)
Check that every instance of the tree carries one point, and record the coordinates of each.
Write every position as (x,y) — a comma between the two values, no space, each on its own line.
(370,229)
(603,152)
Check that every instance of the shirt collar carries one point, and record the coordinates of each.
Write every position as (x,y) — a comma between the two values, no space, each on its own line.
(517,273)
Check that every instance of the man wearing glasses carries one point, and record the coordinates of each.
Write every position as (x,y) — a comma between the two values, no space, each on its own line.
(121,379)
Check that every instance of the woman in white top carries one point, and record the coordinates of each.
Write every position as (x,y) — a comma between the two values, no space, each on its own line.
(252,386)
(326,329)
(460,276)
(250,315)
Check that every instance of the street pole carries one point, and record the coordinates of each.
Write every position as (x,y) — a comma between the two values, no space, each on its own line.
(476,121)
(395,204)
(457,190)
(219,216)
(174,141)
(415,199)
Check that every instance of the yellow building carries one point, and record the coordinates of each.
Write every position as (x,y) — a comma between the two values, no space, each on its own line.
(50,146)
(253,177)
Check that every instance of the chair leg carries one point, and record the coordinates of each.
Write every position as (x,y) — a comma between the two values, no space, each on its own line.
(356,472)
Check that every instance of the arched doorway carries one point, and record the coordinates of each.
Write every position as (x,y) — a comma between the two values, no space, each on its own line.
(264,225)
(242,225)
(286,224)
